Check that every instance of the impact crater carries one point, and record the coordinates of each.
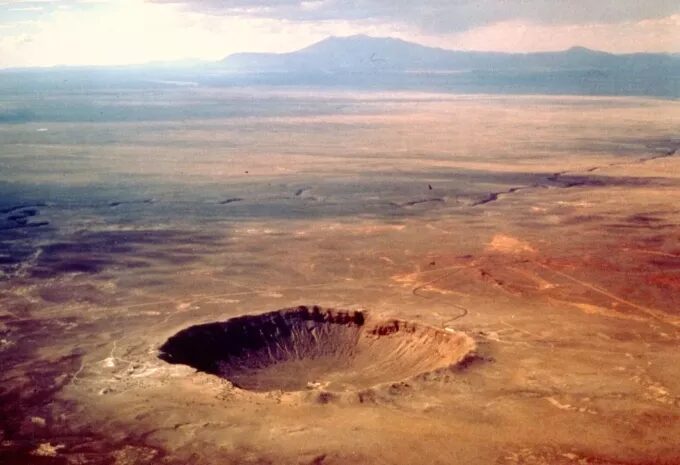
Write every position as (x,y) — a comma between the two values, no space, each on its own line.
(310,347)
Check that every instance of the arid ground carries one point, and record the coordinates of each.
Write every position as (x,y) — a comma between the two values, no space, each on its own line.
(539,234)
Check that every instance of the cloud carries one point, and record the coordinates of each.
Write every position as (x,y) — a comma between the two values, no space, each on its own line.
(133,31)
(443,16)
(659,35)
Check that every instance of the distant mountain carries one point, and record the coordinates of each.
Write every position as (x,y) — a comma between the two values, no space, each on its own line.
(364,53)
(379,64)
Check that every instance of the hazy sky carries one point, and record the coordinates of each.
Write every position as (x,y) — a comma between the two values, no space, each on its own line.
(48,32)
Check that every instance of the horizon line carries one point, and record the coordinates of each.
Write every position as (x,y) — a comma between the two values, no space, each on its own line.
(367,36)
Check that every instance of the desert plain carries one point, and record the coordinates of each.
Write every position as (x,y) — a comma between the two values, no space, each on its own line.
(541,233)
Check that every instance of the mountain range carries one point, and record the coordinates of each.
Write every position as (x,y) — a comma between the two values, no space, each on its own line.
(371,63)
(363,53)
